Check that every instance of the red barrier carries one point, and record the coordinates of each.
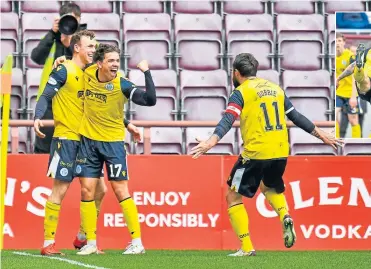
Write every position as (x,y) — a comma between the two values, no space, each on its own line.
(182,206)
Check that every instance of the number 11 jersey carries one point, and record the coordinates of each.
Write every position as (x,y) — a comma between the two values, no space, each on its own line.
(262,119)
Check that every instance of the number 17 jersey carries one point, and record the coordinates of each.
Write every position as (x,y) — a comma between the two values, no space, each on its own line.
(262,120)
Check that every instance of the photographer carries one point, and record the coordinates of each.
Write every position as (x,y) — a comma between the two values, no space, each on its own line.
(53,45)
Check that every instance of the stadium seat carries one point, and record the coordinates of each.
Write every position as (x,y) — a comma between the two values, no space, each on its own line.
(240,7)
(309,87)
(225,146)
(303,143)
(17,92)
(32,83)
(139,6)
(51,6)
(193,7)
(295,7)
(166,107)
(147,36)
(203,94)
(164,140)
(9,35)
(198,41)
(23,140)
(331,26)
(271,75)
(35,27)
(101,6)
(359,146)
(300,41)
(6,6)
(252,33)
(315,109)
(307,84)
(105,26)
(333,6)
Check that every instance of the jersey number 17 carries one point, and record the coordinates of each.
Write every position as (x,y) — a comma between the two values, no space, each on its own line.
(268,125)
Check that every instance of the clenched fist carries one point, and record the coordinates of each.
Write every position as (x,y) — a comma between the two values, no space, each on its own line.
(143,66)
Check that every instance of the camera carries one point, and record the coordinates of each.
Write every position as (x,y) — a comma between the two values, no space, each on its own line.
(68,24)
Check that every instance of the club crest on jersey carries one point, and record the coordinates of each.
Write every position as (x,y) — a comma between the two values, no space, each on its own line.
(109,86)
(344,62)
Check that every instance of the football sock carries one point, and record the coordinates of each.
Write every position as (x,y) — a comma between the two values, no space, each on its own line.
(356,131)
(50,222)
(88,214)
(240,223)
(278,202)
(132,220)
(81,234)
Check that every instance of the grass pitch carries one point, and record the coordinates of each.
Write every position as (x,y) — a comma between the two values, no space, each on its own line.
(18,259)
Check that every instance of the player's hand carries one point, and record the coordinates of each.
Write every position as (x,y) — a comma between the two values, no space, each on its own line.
(59,61)
(353,102)
(330,139)
(55,27)
(143,66)
(36,125)
(134,131)
(337,83)
(200,149)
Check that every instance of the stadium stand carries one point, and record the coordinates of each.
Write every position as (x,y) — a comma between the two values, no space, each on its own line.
(144,34)
(190,46)
(166,88)
(167,140)
(9,35)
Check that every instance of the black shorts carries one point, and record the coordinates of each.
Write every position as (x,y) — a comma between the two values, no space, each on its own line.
(62,158)
(343,103)
(246,175)
(92,154)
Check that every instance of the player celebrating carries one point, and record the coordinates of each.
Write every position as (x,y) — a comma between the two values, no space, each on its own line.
(346,94)
(102,140)
(262,106)
(361,70)
(65,90)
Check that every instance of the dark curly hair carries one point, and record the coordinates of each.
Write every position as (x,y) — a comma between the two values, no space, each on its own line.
(102,50)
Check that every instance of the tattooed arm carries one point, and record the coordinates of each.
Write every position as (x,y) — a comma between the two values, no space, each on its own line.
(347,72)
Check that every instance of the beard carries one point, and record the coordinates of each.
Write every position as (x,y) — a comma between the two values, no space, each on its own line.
(235,82)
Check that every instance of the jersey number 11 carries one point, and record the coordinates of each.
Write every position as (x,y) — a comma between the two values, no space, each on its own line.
(268,126)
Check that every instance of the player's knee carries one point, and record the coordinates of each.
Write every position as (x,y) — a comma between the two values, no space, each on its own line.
(87,192)
(353,119)
(263,188)
(233,198)
(59,190)
(120,189)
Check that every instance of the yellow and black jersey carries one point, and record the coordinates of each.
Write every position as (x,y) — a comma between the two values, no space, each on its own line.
(345,85)
(65,88)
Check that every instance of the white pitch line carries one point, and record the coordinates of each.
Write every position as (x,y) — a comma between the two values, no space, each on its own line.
(60,259)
